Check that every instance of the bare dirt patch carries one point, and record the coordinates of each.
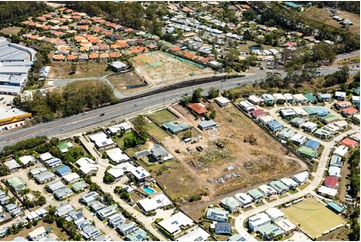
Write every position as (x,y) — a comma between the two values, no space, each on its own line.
(158,68)
(11,30)
(124,80)
(90,69)
(219,171)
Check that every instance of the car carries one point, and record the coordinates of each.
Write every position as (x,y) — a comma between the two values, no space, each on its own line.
(1,98)
(238,84)
(102,114)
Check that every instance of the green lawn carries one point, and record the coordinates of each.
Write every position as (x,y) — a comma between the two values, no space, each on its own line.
(162,117)
(156,132)
(303,186)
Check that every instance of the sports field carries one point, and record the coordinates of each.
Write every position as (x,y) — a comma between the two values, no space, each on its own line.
(313,217)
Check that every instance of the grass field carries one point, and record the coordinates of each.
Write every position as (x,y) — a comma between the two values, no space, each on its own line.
(321,15)
(312,217)
(11,30)
(90,69)
(155,131)
(162,117)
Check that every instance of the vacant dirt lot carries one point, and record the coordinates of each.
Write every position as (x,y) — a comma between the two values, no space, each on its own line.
(90,69)
(121,81)
(11,30)
(219,171)
(159,68)
(323,16)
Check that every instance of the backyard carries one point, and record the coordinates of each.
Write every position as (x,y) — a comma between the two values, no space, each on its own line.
(313,217)
(161,117)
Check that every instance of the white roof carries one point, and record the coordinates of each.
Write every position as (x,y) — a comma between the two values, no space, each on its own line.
(340,94)
(36,232)
(266,119)
(87,165)
(309,125)
(288,96)
(84,161)
(267,189)
(71,177)
(279,96)
(119,170)
(341,123)
(258,219)
(285,225)
(301,111)
(12,164)
(222,100)
(301,177)
(174,223)
(155,202)
(327,191)
(298,138)
(356,136)
(26,159)
(45,156)
(341,150)
(289,182)
(255,99)
(288,112)
(243,198)
(299,97)
(274,213)
(140,173)
(334,171)
(100,139)
(117,155)
(118,127)
(197,234)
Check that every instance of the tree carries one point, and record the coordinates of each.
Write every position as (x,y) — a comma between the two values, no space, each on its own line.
(140,124)
(213,93)
(249,15)
(107,179)
(213,114)
(196,97)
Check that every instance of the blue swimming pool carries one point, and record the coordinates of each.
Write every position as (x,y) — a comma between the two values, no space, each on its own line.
(148,190)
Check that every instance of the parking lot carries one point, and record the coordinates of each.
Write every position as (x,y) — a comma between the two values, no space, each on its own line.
(6,100)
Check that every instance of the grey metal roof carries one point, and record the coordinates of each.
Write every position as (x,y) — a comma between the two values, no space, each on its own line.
(159,151)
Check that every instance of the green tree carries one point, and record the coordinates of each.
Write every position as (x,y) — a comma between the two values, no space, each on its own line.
(196,97)
(107,179)
(249,15)
(213,93)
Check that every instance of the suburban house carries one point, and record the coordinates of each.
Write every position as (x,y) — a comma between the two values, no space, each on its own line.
(223,228)
(340,96)
(176,223)
(269,99)
(279,187)
(258,221)
(217,214)
(275,214)
(309,127)
(117,155)
(198,108)
(231,204)
(244,199)
(159,153)
(301,177)
(207,124)
(222,101)
(148,205)
(256,195)
(101,141)
(267,190)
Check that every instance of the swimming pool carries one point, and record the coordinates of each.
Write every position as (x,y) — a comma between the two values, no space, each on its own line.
(148,190)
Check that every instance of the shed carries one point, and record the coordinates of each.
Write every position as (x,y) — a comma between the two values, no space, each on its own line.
(207,124)
(335,207)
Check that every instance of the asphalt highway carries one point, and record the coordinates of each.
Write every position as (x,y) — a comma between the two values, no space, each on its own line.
(110,113)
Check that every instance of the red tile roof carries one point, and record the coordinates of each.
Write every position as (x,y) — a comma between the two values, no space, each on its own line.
(257,113)
(114,54)
(348,142)
(189,55)
(175,48)
(350,111)
(331,181)
(72,57)
(198,108)
(138,49)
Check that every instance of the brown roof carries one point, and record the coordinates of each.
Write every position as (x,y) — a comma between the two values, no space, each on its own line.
(198,108)
(189,55)
(104,55)
(59,57)
(72,57)
(114,54)
(175,48)
(93,56)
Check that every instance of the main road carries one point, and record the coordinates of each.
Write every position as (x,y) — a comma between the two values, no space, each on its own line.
(68,125)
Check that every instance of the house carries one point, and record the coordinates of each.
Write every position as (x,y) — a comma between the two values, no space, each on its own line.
(45,156)
(118,66)
(257,113)
(340,96)
(136,235)
(356,101)
(299,98)
(286,225)
(309,127)
(87,166)
(274,126)
(269,99)
(105,213)
(197,234)
(327,192)
(150,204)
(336,161)
(287,113)
(267,190)
(297,122)
(298,139)
(222,101)
(71,178)
(236,237)
(62,193)
(275,214)
(176,223)
(36,233)
(310,98)
(322,134)
(26,159)
(279,187)
(255,100)
(89,197)
(96,205)
(349,112)
(139,173)
(126,228)
(356,136)
(341,151)
(324,97)
(244,199)
(198,108)
(256,195)
(63,209)
(334,171)
(231,204)
(307,152)
(270,231)
(258,221)
(16,183)
(125,127)
(44,177)
(280,99)
(246,106)
(300,112)
(116,219)
(159,153)
(55,185)
(63,170)
(291,184)
(342,104)
(64,146)
(349,142)
(223,228)
(289,98)
(175,128)
(217,214)
(286,133)
(12,165)
(79,186)
(117,155)
(207,124)
(331,182)
(101,141)
(313,144)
